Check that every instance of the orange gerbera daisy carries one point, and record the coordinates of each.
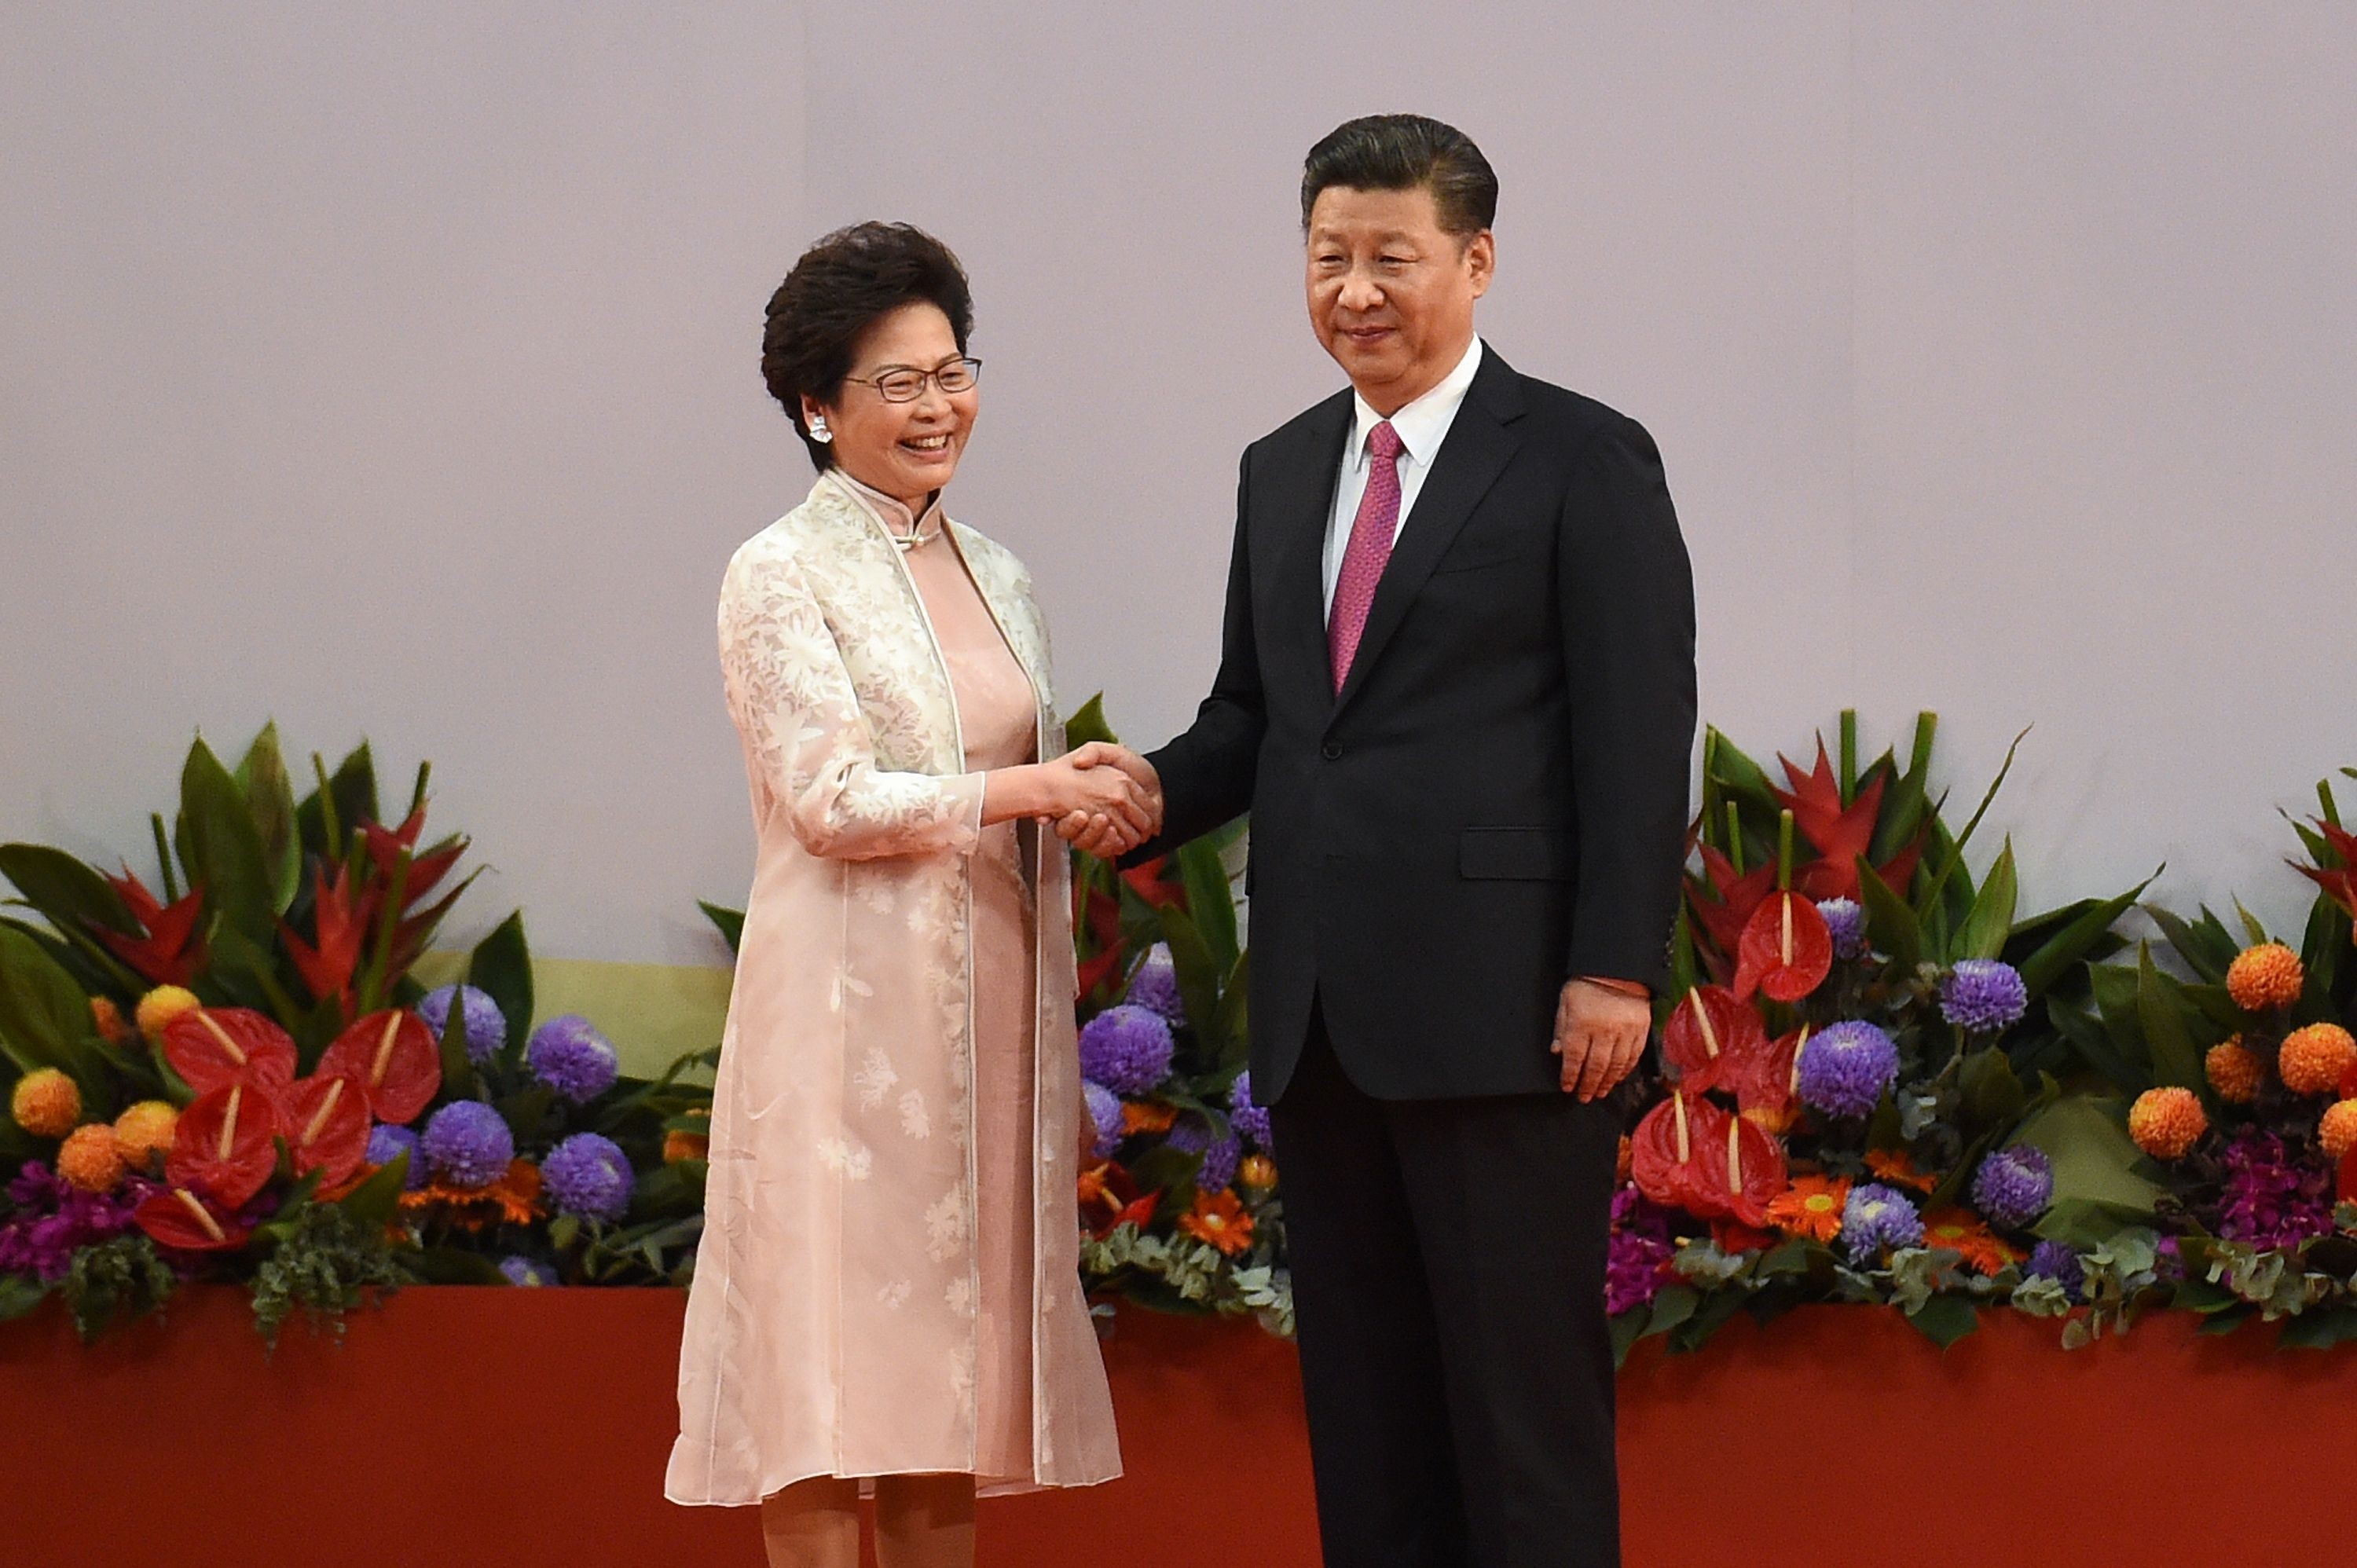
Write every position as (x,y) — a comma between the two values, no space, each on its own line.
(1898,1165)
(1811,1207)
(1138,1118)
(514,1197)
(1220,1220)
(1963,1232)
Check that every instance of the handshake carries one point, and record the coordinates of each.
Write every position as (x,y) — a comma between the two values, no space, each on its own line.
(1101,798)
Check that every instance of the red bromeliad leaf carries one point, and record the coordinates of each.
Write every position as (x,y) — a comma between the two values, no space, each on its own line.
(2339,883)
(1671,1155)
(392,1058)
(180,1220)
(1147,882)
(224,1147)
(162,957)
(341,925)
(326,1125)
(213,1047)
(1786,950)
(1723,920)
(1839,834)
(1709,1036)
(1751,1169)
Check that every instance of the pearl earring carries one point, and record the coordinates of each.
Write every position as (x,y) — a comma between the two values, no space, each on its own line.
(819,430)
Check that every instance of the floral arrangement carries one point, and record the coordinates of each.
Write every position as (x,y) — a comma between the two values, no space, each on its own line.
(1854,1097)
(243,1081)
(2242,1073)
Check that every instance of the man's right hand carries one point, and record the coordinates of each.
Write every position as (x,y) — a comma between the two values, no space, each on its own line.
(1100,835)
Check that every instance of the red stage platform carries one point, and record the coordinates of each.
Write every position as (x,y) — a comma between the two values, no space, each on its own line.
(479,1428)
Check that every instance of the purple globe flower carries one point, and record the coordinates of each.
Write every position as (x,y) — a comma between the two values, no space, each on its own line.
(486,1025)
(1156,985)
(2056,1261)
(2014,1186)
(521,1271)
(1246,1116)
(386,1142)
(1982,995)
(1846,919)
(1126,1048)
(1876,1217)
(467,1143)
(1105,1109)
(1846,1067)
(571,1056)
(589,1176)
(1192,1136)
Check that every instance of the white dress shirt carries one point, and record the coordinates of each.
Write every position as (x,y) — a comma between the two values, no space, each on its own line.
(1422,426)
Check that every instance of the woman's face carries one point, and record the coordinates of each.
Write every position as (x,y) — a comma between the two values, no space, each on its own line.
(908,450)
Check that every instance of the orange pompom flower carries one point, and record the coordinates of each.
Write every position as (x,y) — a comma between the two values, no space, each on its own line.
(160,1006)
(2262,976)
(145,1132)
(2233,1070)
(2338,1131)
(2312,1059)
(2166,1122)
(1811,1207)
(88,1160)
(109,1019)
(1219,1218)
(46,1104)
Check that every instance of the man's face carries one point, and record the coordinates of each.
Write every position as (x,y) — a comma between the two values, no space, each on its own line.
(1392,293)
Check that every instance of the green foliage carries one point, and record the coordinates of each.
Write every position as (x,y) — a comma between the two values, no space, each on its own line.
(326,1261)
(122,1278)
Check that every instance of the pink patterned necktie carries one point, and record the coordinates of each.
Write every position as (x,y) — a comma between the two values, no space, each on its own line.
(1369,550)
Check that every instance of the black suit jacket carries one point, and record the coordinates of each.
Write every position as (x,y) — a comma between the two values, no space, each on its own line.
(1496,799)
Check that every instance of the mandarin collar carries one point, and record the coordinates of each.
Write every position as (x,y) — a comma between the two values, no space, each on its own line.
(893,513)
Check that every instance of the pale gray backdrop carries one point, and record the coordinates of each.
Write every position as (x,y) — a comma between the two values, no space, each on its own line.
(395,373)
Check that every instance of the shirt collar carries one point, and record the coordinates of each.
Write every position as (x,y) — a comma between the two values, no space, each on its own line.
(1421,425)
(892,513)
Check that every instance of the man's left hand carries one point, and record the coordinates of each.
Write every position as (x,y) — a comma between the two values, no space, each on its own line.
(1600,1033)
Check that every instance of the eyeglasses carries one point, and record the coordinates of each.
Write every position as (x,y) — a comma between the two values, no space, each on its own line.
(901,384)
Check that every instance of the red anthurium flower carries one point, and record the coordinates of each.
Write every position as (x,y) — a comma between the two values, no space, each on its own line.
(1771,1079)
(213,1047)
(223,1147)
(1709,1036)
(1110,1199)
(1670,1155)
(1750,1166)
(2339,883)
(326,1124)
(1722,920)
(164,956)
(340,924)
(179,1218)
(1786,950)
(391,1059)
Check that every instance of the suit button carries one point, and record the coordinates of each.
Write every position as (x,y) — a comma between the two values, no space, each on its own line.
(1331,751)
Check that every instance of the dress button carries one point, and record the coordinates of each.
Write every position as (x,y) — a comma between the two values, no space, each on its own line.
(1331,751)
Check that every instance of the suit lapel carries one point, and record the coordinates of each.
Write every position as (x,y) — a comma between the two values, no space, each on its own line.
(1298,512)
(1476,451)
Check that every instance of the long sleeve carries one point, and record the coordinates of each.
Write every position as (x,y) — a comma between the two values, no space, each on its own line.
(1207,773)
(793,701)
(1629,653)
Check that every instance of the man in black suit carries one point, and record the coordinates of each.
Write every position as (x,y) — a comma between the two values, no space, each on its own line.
(1457,695)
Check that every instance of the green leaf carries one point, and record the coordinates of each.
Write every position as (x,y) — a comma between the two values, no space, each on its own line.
(1991,1095)
(45,1019)
(1231,1032)
(1209,902)
(2175,1059)
(458,1070)
(20,1295)
(2228,1321)
(1991,919)
(2114,988)
(456,1266)
(2044,967)
(1906,800)
(1087,724)
(2320,1328)
(1891,923)
(730,923)
(2251,927)
(1944,1319)
(378,1198)
(1672,1307)
(64,889)
(2194,944)
(1199,979)
(224,847)
(501,968)
(1627,1329)
(270,800)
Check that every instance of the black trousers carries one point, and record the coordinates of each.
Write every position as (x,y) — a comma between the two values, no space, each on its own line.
(1448,1282)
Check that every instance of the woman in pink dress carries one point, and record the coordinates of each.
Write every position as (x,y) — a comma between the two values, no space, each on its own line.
(886,1294)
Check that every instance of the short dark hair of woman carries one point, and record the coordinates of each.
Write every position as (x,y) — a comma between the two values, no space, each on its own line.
(843,285)
(1402,152)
